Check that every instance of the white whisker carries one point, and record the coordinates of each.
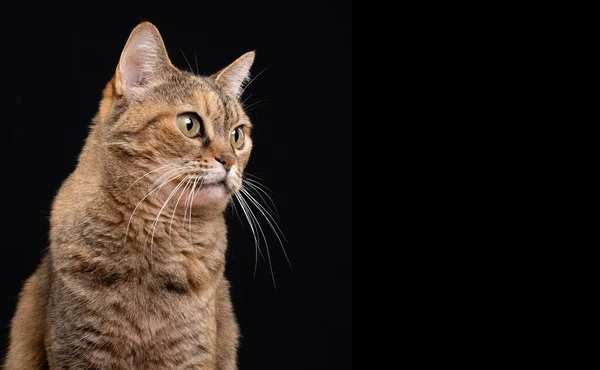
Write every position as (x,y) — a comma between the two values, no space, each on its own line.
(252,80)
(235,211)
(253,176)
(245,100)
(191,205)
(274,227)
(266,213)
(258,191)
(247,109)
(258,183)
(196,59)
(250,222)
(173,177)
(264,238)
(147,173)
(187,61)
(189,181)
(159,213)
(166,174)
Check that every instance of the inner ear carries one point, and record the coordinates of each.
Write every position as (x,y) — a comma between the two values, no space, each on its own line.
(144,59)
(231,79)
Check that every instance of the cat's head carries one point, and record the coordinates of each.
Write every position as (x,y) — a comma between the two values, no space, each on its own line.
(171,128)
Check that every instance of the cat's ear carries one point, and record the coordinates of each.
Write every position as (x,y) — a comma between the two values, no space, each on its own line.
(231,79)
(143,59)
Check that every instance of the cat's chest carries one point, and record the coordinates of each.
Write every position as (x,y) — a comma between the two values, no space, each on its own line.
(158,321)
(133,328)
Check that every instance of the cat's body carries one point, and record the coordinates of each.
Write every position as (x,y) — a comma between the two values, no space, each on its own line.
(134,277)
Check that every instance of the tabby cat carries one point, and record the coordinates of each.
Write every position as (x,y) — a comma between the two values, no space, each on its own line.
(134,276)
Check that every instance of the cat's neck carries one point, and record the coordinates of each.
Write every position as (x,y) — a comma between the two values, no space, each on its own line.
(89,220)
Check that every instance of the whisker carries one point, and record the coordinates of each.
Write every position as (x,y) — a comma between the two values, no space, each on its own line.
(253,175)
(252,80)
(269,218)
(253,221)
(266,212)
(258,191)
(189,181)
(199,187)
(147,173)
(247,109)
(116,143)
(264,238)
(173,177)
(245,100)
(250,222)
(259,184)
(159,213)
(192,198)
(196,59)
(187,61)
(235,211)
(166,174)
(186,207)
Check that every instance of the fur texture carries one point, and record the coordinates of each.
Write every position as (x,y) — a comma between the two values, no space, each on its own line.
(134,277)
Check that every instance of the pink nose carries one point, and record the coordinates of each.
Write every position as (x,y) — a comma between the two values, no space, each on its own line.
(226,160)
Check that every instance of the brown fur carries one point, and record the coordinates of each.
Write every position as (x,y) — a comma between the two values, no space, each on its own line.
(115,292)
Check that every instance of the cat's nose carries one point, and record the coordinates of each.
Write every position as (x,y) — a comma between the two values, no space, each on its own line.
(226,160)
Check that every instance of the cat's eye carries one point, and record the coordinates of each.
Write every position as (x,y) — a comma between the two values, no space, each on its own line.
(190,124)
(237,137)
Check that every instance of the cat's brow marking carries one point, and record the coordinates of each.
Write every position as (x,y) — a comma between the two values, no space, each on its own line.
(158,117)
(210,102)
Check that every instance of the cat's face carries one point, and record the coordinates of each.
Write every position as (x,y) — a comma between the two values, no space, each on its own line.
(188,136)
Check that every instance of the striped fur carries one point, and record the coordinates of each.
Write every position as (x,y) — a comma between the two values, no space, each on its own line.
(106,296)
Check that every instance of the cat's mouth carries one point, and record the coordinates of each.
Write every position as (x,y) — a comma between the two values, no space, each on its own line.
(207,192)
(198,191)
(198,188)
(201,185)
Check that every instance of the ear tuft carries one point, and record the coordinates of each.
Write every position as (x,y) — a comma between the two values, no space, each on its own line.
(143,58)
(232,78)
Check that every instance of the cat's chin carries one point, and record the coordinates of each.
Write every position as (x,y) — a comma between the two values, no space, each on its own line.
(210,194)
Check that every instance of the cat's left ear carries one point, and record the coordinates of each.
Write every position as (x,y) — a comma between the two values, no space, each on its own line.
(144,59)
(232,78)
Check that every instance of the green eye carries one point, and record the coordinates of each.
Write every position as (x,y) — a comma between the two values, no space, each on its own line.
(190,124)
(237,137)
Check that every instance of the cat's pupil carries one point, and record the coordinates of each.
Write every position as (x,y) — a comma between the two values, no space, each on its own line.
(236,135)
(189,124)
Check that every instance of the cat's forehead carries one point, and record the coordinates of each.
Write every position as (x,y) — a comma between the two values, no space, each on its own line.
(185,88)
(190,92)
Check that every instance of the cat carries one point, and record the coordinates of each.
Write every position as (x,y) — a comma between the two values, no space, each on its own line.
(129,281)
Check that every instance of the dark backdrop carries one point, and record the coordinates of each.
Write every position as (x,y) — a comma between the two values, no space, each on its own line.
(55,63)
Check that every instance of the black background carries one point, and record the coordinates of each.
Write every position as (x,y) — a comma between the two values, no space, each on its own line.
(55,63)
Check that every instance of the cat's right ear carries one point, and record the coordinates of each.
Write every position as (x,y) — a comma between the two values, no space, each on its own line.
(144,58)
